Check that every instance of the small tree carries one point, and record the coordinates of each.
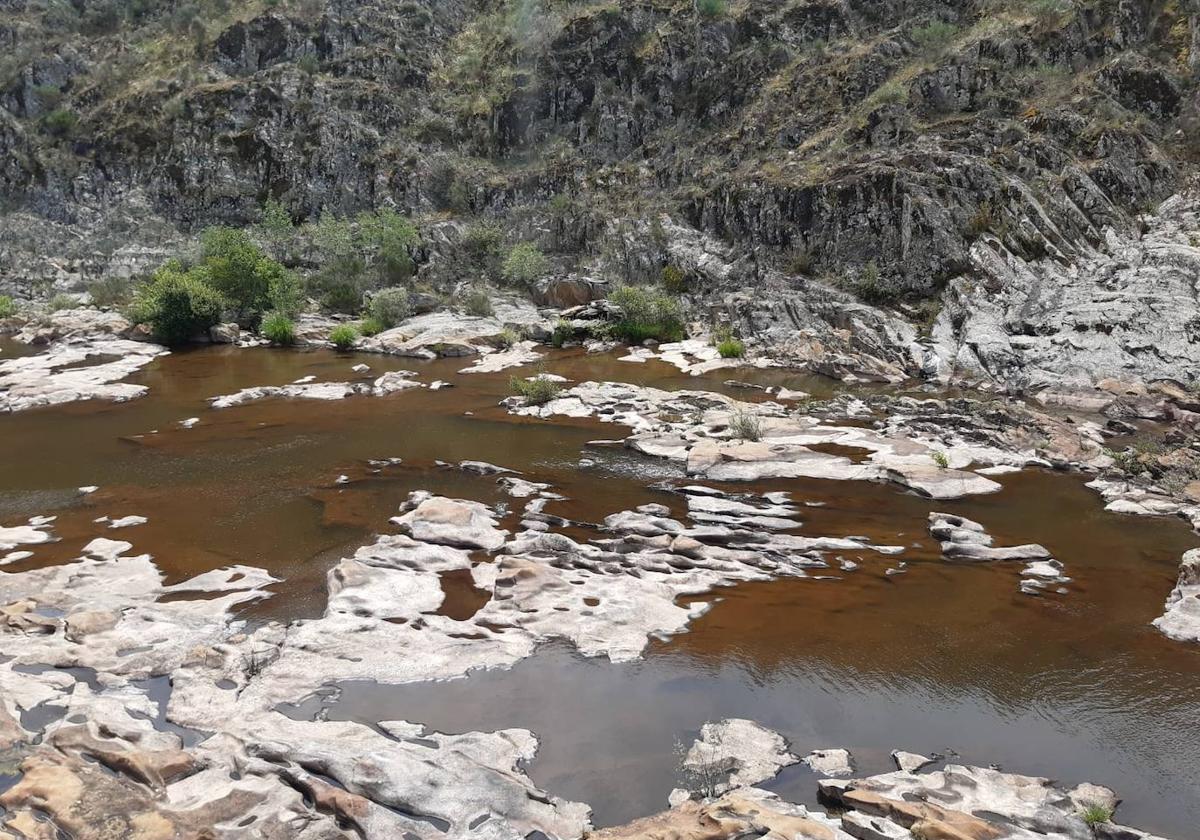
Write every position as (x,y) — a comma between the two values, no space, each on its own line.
(177,304)
(524,264)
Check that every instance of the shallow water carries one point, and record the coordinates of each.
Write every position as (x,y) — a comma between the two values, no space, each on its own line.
(941,657)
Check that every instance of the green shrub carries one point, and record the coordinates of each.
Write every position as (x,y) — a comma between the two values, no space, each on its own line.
(745,426)
(481,243)
(340,285)
(711,8)
(563,332)
(343,336)
(674,280)
(370,326)
(308,65)
(111,290)
(62,301)
(872,288)
(731,348)
(60,122)
(941,459)
(8,307)
(934,36)
(250,281)
(390,306)
(477,302)
(388,239)
(537,390)
(508,337)
(524,264)
(278,328)
(889,93)
(646,314)
(177,304)
(1095,814)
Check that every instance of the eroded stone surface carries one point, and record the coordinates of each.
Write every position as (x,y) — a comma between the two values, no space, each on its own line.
(1181,619)
(63,373)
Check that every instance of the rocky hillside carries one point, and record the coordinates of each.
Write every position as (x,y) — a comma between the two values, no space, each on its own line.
(903,152)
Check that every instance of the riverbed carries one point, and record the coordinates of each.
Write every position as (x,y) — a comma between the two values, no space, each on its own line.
(939,659)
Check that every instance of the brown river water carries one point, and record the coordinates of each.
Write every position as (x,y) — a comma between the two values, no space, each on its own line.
(942,658)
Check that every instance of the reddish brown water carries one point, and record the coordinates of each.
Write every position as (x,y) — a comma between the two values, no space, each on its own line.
(1077,687)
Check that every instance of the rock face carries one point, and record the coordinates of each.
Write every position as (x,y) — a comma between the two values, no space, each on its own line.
(965,540)
(1181,620)
(1128,309)
(969,802)
(75,369)
(722,439)
(734,753)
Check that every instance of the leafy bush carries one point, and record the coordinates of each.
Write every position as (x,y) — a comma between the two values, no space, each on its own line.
(370,326)
(563,332)
(62,301)
(537,390)
(711,8)
(934,35)
(275,226)
(477,302)
(745,426)
(177,304)
(8,307)
(481,243)
(889,93)
(341,284)
(872,288)
(508,337)
(524,264)
(308,64)
(278,328)
(390,306)
(941,459)
(250,281)
(343,336)
(674,280)
(111,290)
(388,239)
(60,122)
(646,314)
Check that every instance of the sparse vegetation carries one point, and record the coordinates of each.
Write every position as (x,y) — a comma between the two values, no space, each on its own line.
(646,314)
(941,459)
(508,337)
(370,326)
(478,302)
(60,122)
(982,221)
(390,306)
(562,333)
(728,344)
(62,301)
(934,36)
(343,336)
(711,8)
(745,426)
(525,264)
(110,291)
(674,280)
(481,243)
(177,304)
(8,307)
(1095,814)
(871,286)
(536,390)
(278,328)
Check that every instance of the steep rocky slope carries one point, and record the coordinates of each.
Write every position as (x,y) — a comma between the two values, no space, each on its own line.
(890,150)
